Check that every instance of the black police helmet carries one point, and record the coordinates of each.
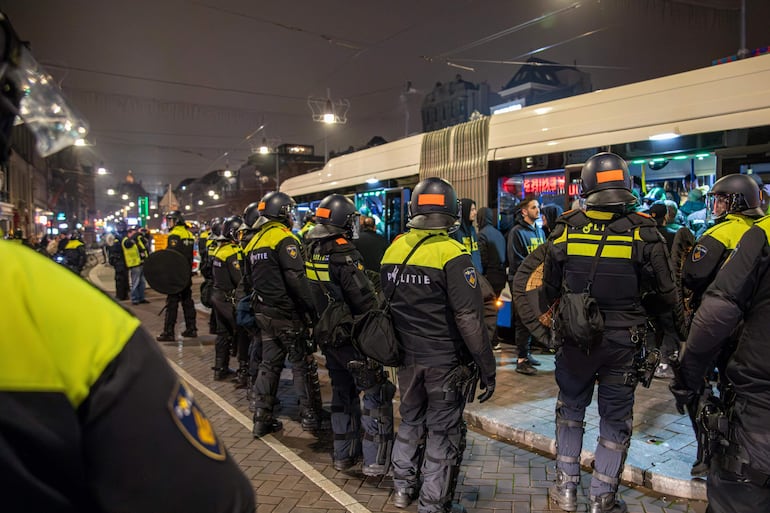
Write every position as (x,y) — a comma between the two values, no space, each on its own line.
(121,227)
(606,181)
(175,217)
(743,195)
(215,227)
(230,227)
(434,205)
(251,214)
(278,206)
(338,214)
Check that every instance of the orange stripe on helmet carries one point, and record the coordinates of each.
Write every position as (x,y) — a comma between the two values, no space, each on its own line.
(613,175)
(323,213)
(261,205)
(430,199)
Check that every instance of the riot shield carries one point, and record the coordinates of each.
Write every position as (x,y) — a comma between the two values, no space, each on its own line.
(167,271)
(684,241)
(529,298)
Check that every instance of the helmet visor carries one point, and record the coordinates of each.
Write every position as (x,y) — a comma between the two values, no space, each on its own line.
(292,217)
(54,123)
(719,205)
(355,225)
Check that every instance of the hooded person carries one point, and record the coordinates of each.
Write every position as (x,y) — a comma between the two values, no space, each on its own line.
(549,214)
(466,233)
(491,245)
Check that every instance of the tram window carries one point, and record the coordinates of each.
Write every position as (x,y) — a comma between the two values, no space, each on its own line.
(372,204)
(548,187)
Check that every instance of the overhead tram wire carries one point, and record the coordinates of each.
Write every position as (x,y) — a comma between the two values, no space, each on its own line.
(173,82)
(504,33)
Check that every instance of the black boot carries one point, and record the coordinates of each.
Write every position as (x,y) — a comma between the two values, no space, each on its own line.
(315,420)
(607,503)
(403,498)
(166,336)
(564,491)
(265,423)
(242,375)
(221,369)
(190,333)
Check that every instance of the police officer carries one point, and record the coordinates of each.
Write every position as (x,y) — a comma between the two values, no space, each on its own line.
(307,224)
(284,309)
(336,274)
(206,249)
(632,261)
(739,477)
(246,233)
(436,306)
(75,253)
(81,427)
(117,260)
(735,205)
(226,263)
(182,240)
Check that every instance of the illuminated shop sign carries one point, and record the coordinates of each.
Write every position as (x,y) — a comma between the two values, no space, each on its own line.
(548,185)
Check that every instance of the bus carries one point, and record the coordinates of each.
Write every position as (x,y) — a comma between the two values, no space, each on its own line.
(676,132)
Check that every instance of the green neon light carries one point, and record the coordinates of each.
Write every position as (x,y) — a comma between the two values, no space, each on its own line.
(681,157)
(641,161)
(702,155)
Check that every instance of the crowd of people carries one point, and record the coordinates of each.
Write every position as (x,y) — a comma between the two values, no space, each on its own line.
(271,284)
(619,278)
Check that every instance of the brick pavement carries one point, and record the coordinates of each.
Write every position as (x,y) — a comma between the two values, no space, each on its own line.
(495,476)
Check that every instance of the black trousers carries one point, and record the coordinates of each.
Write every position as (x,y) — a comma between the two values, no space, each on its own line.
(276,347)
(347,418)
(121,284)
(726,494)
(430,437)
(172,307)
(576,374)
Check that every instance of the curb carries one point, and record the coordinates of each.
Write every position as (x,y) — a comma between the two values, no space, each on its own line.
(666,485)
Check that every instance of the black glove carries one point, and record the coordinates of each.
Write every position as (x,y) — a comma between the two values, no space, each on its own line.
(684,396)
(489,388)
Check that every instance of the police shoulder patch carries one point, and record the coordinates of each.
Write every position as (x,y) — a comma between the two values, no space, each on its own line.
(193,424)
(470,276)
(292,250)
(698,252)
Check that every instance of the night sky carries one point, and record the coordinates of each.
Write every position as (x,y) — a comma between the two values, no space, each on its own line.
(175,88)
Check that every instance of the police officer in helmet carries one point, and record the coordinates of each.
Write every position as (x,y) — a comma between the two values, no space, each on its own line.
(739,474)
(337,278)
(182,240)
(246,233)
(284,309)
(226,266)
(437,312)
(734,203)
(108,426)
(618,256)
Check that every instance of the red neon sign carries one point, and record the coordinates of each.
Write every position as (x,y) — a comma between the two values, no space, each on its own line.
(548,185)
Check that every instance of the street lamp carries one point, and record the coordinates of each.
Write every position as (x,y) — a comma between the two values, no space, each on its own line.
(329,112)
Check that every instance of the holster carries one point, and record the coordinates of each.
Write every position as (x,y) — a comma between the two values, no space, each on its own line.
(461,383)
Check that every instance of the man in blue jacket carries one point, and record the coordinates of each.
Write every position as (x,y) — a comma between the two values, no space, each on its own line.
(523,238)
